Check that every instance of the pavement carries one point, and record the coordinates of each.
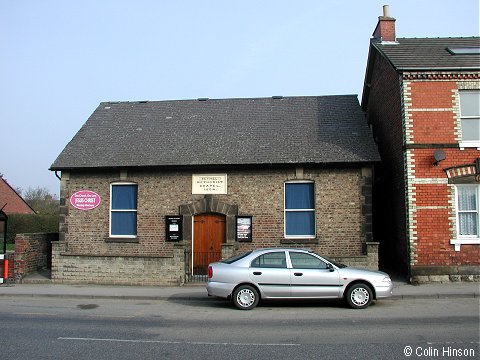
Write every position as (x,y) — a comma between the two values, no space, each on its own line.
(196,292)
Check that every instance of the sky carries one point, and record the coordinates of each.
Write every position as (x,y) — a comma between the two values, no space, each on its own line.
(60,59)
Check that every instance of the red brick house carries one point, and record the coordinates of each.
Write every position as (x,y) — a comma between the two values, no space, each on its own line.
(13,202)
(421,97)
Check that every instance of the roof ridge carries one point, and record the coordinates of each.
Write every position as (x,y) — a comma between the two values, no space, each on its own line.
(274,97)
(441,37)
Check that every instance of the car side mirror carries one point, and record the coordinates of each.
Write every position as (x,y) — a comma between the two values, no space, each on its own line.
(330,267)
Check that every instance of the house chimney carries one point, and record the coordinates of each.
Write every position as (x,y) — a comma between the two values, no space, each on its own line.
(385,30)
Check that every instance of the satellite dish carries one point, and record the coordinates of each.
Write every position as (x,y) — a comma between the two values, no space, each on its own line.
(439,155)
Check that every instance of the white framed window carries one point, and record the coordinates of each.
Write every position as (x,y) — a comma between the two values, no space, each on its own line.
(299,209)
(467,205)
(123,210)
(470,118)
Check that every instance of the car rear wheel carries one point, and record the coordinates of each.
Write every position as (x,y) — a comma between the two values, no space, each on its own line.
(245,297)
(359,296)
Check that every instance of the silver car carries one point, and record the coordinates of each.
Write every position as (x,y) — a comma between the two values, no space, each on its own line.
(293,274)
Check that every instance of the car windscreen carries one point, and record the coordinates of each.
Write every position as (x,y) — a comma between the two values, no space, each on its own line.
(339,265)
(235,258)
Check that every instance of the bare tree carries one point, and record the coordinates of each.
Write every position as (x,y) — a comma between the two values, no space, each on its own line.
(41,200)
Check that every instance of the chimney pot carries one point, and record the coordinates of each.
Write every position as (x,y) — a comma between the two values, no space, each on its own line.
(386,11)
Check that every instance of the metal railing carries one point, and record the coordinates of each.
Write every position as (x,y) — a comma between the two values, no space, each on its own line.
(196,265)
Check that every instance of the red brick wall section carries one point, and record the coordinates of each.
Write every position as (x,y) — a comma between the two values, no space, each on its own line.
(32,253)
(424,160)
(434,115)
(433,219)
(432,95)
(433,118)
(441,130)
(432,195)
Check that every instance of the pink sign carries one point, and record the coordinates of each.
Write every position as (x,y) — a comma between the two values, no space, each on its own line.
(85,200)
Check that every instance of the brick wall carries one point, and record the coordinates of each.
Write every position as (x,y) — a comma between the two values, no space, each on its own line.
(86,254)
(367,261)
(385,115)
(32,253)
(432,114)
(118,270)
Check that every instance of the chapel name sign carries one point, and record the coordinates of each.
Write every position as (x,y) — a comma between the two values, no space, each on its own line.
(209,184)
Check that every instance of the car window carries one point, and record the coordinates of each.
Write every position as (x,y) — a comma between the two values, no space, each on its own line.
(235,258)
(270,260)
(306,261)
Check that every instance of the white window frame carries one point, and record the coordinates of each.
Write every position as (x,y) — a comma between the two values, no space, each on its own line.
(468,143)
(466,239)
(120,210)
(285,210)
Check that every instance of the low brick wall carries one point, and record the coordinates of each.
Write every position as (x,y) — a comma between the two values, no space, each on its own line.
(367,261)
(68,268)
(32,253)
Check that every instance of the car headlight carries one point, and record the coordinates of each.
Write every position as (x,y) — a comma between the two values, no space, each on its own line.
(386,279)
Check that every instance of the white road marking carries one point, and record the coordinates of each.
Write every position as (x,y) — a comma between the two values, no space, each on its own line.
(173,342)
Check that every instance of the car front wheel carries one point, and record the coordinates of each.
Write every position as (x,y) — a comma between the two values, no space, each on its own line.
(245,297)
(359,296)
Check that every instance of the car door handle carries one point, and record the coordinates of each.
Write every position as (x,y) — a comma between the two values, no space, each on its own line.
(298,274)
(257,273)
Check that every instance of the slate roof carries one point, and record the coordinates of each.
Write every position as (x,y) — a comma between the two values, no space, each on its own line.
(256,131)
(429,53)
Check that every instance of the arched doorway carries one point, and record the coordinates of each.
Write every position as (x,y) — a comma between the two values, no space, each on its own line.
(209,233)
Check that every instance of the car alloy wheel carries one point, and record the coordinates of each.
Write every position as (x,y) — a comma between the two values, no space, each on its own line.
(359,296)
(245,297)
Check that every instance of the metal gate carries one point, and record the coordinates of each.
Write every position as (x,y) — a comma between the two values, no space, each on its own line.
(199,273)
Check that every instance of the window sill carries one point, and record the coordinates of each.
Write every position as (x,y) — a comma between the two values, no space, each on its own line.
(305,241)
(473,144)
(122,240)
(459,242)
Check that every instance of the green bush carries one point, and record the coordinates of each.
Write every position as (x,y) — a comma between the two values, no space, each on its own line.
(30,223)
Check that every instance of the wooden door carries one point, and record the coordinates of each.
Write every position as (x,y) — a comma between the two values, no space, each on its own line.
(208,236)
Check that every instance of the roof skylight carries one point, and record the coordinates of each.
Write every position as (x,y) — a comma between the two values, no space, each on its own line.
(464,50)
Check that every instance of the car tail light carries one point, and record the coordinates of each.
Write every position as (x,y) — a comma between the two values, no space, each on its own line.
(210,272)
